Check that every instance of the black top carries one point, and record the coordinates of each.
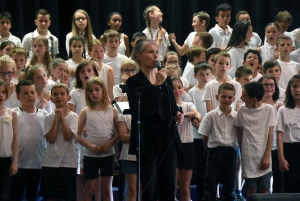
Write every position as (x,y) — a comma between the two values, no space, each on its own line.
(158,109)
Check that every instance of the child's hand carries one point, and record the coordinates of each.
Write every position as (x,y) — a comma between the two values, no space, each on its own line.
(43,103)
(172,37)
(13,169)
(190,115)
(265,163)
(72,72)
(57,114)
(124,78)
(161,33)
(106,147)
(284,165)
(276,55)
(179,118)
(66,79)
(95,149)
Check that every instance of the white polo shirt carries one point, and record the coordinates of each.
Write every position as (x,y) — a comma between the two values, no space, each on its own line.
(288,70)
(221,38)
(13,39)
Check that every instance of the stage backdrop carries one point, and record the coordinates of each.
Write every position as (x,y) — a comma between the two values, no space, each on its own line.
(177,14)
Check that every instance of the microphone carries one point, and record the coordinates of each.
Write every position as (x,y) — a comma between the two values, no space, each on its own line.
(158,65)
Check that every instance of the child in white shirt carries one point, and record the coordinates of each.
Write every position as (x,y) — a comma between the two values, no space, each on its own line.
(5,35)
(252,58)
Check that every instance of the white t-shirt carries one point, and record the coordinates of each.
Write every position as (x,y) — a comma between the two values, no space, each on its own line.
(288,70)
(274,146)
(267,52)
(164,43)
(189,40)
(72,65)
(255,41)
(61,153)
(288,123)
(103,73)
(185,82)
(27,42)
(185,97)
(115,63)
(31,138)
(12,102)
(255,79)
(196,94)
(211,90)
(219,128)
(78,99)
(221,38)
(295,56)
(117,91)
(124,153)
(6,134)
(13,39)
(185,128)
(50,107)
(188,74)
(237,58)
(99,132)
(255,123)
(281,94)
(69,36)
(51,83)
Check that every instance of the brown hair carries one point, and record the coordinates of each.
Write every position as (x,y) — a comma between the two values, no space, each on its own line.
(203,16)
(193,51)
(226,86)
(110,34)
(284,16)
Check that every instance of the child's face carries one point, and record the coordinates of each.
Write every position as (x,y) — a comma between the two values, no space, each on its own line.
(172,59)
(59,71)
(285,47)
(156,15)
(225,98)
(77,48)
(20,60)
(203,76)
(295,89)
(196,40)
(42,22)
(245,79)
(3,94)
(112,43)
(39,49)
(223,65)
(269,86)
(128,70)
(97,52)
(249,34)
(27,95)
(173,72)
(200,58)
(7,49)
(86,73)
(80,21)
(274,72)
(115,22)
(95,92)
(272,34)
(223,18)
(284,26)
(245,98)
(40,78)
(6,72)
(245,17)
(252,60)
(59,97)
(178,89)
(5,25)
(197,24)
(211,61)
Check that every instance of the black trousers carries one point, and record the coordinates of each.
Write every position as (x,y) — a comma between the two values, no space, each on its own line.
(161,183)
(220,168)
(277,173)
(5,164)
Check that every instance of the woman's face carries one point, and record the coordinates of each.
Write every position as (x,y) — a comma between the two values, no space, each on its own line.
(148,56)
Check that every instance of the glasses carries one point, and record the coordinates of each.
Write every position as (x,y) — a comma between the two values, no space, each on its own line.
(128,70)
(8,74)
(269,85)
(173,62)
(80,18)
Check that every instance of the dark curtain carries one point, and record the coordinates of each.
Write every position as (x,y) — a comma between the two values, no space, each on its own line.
(177,14)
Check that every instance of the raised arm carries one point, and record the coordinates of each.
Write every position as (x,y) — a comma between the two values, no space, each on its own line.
(180,49)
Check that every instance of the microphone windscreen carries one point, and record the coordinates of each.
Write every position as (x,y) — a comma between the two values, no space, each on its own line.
(158,65)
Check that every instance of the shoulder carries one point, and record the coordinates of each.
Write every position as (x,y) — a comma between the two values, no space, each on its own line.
(125,36)
(69,35)
(121,56)
(72,115)
(28,36)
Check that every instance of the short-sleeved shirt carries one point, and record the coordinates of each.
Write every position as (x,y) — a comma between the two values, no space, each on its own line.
(295,56)
(115,63)
(72,65)
(267,52)
(189,40)
(27,42)
(78,99)
(256,123)
(289,69)
(255,41)
(211,90)
(6,134)
(255,79)
(288,122)
(61,153)
(237,59)
(13,39)
(185,129)
(188,74)
(221,37)
(219,128)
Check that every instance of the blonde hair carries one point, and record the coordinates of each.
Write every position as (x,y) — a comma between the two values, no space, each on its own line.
(5,59)
(88,30)
(47,57)
(174,67)
(148,10)
(95,42)
(129,62)
(19,51)
(104,101)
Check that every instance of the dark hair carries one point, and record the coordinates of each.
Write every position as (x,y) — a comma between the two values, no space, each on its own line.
(212,51)
(253,52)
(275,96)
(283,37)
(289,99)
(138,34)
(7,15)
(239,32)
(240,71)
(203,65)
(272,24)
(2,83)
(242,12)
(80,66)
(76,38)
(6,43)
(255,90)
(42,12)
(108,19)
(222,7)
(270,64)
(226,86)
(23,83)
